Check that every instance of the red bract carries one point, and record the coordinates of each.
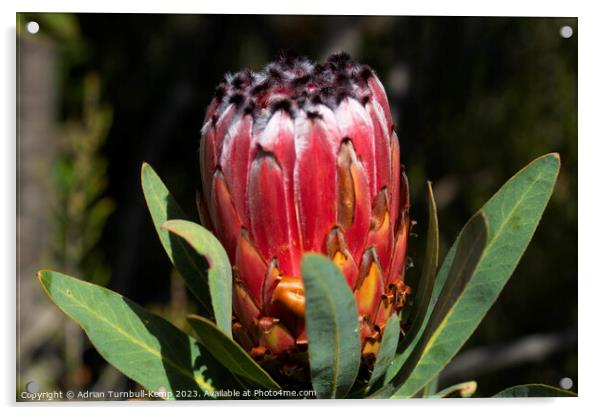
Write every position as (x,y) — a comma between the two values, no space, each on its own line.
(303,157)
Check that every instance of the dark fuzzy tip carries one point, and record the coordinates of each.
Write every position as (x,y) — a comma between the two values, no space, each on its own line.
(295,84)
(249,108)
(365,99)
(239,80)
(366,73)
(275,74)
(220,91)
(314,115)
(262,153)
(341,95)
(287,57)
(259,88)
(326,91)
(319,68)
(237,99)
(342,79)
(302,80)
(340,59)
(303,94)
(283,104)
(316,99)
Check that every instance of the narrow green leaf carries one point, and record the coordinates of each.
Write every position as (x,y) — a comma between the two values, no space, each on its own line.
(534,391)
(431,262)
(163,207)
(219,276)
(513,214)
(143,346)
(471,244)
(430,388)
(417,319)
(387,349)
(465,390)
(332,327)
(229,353)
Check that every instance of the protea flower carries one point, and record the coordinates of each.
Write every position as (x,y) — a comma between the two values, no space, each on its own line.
(303,157)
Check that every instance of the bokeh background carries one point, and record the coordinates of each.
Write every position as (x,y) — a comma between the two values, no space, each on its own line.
(474,99)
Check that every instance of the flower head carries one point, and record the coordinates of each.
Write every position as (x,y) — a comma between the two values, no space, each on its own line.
(304,157)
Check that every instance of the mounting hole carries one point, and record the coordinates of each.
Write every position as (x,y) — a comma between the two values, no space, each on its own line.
(32,27)
(566,383)
(32,387)
(566,31)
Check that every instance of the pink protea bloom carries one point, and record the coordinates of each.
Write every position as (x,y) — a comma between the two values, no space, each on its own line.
(304,157)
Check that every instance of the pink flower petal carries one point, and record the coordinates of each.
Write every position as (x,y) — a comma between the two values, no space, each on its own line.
(251,267)
(315,183)
(225,216)
(273,224)
(235,160)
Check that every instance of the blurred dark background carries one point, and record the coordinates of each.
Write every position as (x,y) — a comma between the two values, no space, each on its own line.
(474,99)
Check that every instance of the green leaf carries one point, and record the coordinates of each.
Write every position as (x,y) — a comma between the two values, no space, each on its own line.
(417,318)
(332,327)
(387,349)
(471,244)
(430,388)
(513,214)
(163,207)
(431,262)
(534,391)
(229,353)
(465,390)
(220,274)
(145,347)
